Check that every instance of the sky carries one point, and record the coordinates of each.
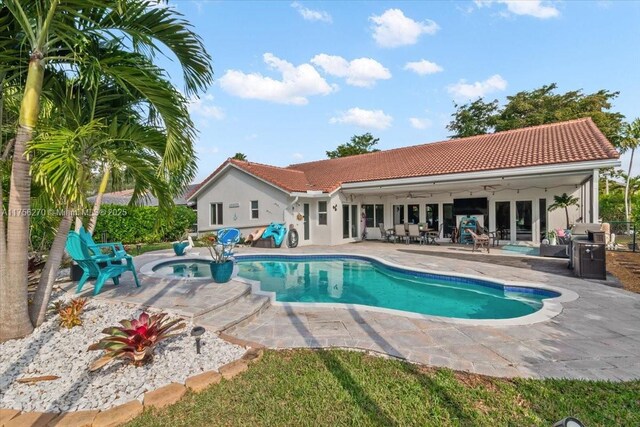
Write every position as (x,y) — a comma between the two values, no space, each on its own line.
(295,79)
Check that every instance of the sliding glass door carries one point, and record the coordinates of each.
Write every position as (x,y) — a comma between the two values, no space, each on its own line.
(503,220)
(524,220)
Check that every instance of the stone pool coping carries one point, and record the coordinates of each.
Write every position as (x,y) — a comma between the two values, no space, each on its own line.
(551,307)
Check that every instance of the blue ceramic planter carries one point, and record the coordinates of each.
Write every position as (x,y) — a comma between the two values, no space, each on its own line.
(179,248)
(221,273)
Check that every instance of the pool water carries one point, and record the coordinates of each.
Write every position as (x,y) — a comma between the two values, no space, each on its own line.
(188,268)
(351,280)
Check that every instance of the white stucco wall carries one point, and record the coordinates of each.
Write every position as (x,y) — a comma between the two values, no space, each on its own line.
(236,187)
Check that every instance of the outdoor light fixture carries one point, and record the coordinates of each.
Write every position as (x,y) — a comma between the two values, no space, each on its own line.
(196,333)
(568,422)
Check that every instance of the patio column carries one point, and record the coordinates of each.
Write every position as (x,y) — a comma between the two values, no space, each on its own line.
(441,219)
(595,208)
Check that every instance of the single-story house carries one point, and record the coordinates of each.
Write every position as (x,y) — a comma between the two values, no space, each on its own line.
(507,180)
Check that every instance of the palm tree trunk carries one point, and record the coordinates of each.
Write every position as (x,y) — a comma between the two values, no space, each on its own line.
(566,212)
(14,312)
(96,206)
(38,309)
(627,210)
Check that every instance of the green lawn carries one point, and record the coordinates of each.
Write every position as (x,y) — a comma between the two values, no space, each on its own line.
(336,387)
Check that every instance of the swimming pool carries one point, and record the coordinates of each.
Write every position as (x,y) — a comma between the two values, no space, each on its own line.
(365,281)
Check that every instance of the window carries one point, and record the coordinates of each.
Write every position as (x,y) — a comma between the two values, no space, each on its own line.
(254,209)
(374,215)
(216,213)
(322,213)
(432,216)
(398,214)
(414,214)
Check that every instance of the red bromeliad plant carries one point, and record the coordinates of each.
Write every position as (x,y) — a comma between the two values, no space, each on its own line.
(135,339)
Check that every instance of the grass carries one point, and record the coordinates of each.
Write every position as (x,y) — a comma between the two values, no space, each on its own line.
(148,247)
(337,387)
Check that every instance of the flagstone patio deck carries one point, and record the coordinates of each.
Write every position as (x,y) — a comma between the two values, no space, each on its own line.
(596,336)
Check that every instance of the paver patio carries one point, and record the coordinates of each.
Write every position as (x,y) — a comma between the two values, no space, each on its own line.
(596,336)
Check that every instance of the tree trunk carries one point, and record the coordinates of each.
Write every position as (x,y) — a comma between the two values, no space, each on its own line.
(14,312)
(38,308)
(627,210)
(96,206)
(566,212)
(606,185)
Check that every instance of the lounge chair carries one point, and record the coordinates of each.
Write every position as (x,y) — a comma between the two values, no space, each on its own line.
(80,253)
(479,240)
(414,233)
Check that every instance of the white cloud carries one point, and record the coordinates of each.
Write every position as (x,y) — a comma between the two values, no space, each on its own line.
(423,67)
(297,156)
(420,123)
(393,29)
(251,137)
(463,90)
(296,85)
(374,119)
(362,72)
(204,108)
(310,14)
(536,8)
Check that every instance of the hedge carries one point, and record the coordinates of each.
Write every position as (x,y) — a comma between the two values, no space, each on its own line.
(143,224)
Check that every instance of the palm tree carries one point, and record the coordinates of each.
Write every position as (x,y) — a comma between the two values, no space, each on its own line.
(630,141)
(48,35)
(240,156)
(563,201)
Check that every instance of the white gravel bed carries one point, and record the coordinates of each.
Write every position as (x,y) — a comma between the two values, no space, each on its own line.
(53,350)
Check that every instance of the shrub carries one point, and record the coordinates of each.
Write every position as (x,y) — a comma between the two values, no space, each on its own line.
(135,339)
(70,313)
(143,224)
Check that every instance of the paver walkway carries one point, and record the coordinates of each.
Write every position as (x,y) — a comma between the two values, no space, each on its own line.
(596,336)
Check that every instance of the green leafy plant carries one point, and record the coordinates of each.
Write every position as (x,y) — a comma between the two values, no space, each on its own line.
(220,253)
(70,313)
(136,339)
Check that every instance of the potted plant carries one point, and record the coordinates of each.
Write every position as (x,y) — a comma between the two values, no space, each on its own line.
(552,236)
(180,247)
(222,264)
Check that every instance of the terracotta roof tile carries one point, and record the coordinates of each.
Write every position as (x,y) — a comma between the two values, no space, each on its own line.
(564,142)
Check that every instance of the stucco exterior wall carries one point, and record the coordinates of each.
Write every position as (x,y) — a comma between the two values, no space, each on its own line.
(233,188)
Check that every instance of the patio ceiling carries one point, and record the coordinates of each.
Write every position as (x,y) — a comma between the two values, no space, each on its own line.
(426,188)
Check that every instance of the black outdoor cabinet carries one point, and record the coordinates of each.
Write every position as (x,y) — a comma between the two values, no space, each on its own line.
(590,260)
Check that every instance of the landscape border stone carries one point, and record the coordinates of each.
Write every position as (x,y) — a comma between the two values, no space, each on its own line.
(121,414)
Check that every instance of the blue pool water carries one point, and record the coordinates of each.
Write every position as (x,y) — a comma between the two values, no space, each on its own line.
(358,280)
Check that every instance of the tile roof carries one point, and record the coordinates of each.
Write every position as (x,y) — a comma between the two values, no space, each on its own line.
(563,142)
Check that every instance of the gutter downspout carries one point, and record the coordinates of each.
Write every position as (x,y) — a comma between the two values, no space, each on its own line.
(295,200)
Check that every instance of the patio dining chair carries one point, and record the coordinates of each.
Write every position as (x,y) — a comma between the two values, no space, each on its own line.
(414,233)
(432,235)
(400,232)
(384,233)
(480,241)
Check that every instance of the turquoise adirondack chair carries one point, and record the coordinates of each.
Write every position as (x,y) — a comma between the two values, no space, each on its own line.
(116,248)
(79,251)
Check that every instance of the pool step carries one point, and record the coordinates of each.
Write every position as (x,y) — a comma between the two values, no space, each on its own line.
(239,311)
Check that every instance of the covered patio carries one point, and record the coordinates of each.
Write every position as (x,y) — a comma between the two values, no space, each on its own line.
(513,203)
